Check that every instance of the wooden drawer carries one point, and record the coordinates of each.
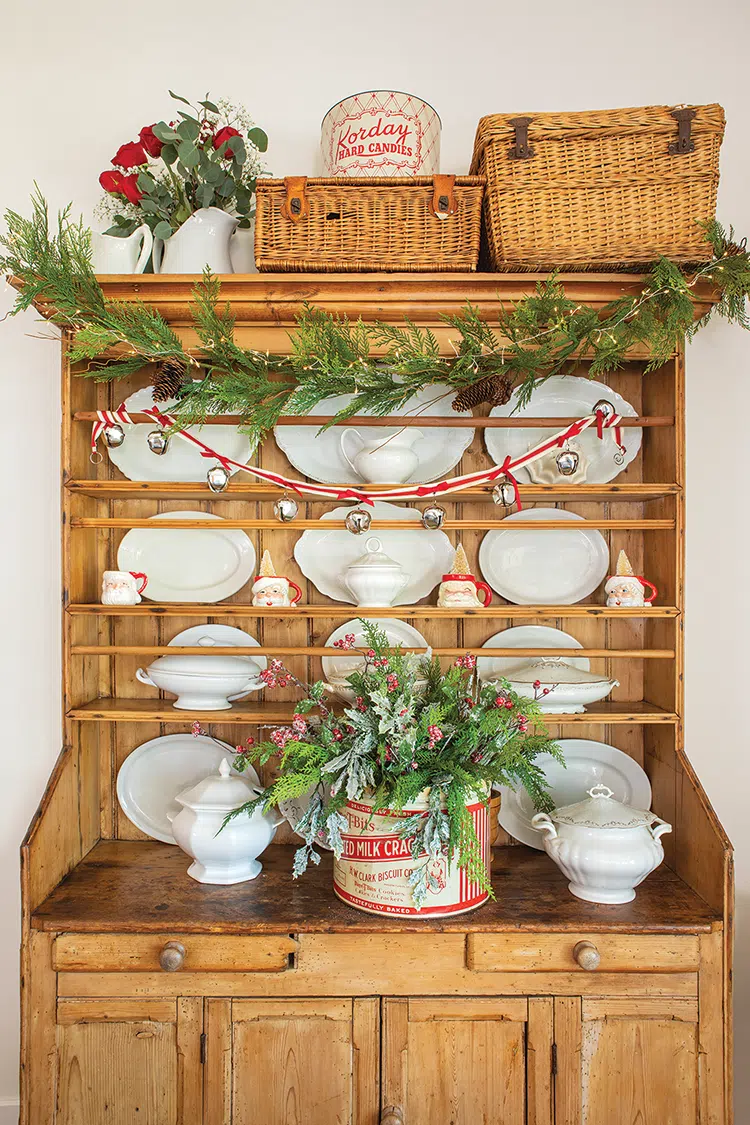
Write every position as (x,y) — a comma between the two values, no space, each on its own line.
(144,953)
(564,953)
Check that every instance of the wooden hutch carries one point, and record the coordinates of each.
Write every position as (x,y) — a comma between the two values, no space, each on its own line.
(150,998)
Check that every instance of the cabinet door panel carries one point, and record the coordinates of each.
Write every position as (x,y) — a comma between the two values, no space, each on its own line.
(464,1061)
(124,1061)
(628,1062)
(293,1062)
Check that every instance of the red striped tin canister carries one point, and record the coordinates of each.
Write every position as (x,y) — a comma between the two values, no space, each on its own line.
(373,872)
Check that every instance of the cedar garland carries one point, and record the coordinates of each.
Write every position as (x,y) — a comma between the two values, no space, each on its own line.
(541,335)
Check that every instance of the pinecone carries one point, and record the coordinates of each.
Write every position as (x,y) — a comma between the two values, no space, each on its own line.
(495,389)
(168,379)
(733,248)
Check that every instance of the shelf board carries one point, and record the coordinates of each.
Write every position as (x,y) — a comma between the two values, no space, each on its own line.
(424,421)
(246,490)
(128,887)
(162,711)
(320,650)
(339,612)
(384,525)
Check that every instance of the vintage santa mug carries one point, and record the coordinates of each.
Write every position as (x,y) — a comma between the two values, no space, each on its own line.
(463,589)
(624,588)
(123,587)
(274,589)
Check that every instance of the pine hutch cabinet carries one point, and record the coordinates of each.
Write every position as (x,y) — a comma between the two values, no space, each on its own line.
(150,998)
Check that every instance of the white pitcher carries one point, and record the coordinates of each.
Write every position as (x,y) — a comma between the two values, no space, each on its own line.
(388,459)
(202,240)
(110,254)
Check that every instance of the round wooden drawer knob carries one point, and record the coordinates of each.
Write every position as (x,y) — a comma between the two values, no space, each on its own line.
(587,956)
(172,956)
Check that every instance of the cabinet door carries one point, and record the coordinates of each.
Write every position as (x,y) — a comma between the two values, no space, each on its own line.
(125,1061)
(468,1061)
(627,1061)
(292,1062)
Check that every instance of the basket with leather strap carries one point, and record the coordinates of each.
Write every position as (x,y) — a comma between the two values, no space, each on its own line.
(606,190)
(365,224)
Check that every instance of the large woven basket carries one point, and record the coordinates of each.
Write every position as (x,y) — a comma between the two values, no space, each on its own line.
(606,190)
(360,224)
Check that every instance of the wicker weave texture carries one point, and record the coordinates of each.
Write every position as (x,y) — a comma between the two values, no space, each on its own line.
(601,191)
(363,224)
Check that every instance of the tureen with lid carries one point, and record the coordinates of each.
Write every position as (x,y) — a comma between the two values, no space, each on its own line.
(563,687)
(375,578)
(603,847)
(228,854)
(202,683)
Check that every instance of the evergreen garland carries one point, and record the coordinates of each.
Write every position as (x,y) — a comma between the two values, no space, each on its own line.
(540,336)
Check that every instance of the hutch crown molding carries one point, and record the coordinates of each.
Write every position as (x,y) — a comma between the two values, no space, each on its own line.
(148,997)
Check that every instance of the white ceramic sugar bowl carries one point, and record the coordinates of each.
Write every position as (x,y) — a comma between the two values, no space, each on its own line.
(603,847)
(228,855)
(375,579)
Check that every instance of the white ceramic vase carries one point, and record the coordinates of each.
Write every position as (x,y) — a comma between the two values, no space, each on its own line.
(202,241)
(110,254)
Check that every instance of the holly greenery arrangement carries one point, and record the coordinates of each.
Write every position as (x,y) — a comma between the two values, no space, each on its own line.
(380,365)
(209,156)
(412,729)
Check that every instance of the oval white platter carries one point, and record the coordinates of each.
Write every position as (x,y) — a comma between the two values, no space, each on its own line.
(151,778)
(398,633)
(319,456)
(182,461)
(587,763)
(565,396)
(224,636)
(190,565)
(324,554)
(545,567)
(526,636)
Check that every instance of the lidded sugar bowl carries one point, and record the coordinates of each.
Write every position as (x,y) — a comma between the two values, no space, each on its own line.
(603,847)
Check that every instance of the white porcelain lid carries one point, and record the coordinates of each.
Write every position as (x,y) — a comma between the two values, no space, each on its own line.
(188,665)
(222,791)
(375,556)
(599,810)
(554,670)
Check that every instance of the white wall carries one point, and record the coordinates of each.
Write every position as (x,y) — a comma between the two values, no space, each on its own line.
(81,77)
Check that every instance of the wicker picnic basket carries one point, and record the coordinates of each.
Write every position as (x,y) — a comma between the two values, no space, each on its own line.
(358,224)
(607,189)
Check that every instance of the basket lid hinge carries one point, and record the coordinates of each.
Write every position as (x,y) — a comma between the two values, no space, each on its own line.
(683,144)
(521,149)
(444,196)
(296,205)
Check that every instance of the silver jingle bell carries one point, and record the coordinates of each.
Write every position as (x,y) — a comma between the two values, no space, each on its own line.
(217,478)
(357,521)
(433,517)
(158,442)
(605,407)
(504,493)
(286,509)
(113,435)
(567,462)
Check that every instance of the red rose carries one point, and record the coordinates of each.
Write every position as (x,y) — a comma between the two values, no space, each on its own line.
(150,141)
(224,135)
(130,155)
(130,189)
(112,182)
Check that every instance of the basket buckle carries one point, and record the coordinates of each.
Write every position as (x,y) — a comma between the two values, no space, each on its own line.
(296,205)
(683,144)
(443,196)
(521,149)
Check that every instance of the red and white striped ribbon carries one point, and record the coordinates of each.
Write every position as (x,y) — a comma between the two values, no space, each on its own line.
(405,492)
(106,418)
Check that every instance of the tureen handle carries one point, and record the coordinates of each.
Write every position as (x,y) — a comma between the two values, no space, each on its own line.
(660,828)
(542,822)
(144,678)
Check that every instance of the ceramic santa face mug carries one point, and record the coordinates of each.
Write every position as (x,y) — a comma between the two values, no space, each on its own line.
(123,587)
(463,589)
(274,590)
(629,590)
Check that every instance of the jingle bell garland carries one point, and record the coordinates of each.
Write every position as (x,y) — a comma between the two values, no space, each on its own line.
(541,335)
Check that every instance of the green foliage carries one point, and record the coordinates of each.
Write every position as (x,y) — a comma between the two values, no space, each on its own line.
(413,729)
(542,335)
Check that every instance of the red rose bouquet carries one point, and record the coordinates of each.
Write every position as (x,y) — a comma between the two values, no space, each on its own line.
(207,157)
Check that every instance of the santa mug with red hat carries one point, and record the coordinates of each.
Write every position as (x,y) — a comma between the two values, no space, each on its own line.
(461,588)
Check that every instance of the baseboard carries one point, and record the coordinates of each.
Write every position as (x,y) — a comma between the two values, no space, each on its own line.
(9,1110)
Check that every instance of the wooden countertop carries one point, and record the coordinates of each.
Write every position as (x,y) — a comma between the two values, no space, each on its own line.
(124,886)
